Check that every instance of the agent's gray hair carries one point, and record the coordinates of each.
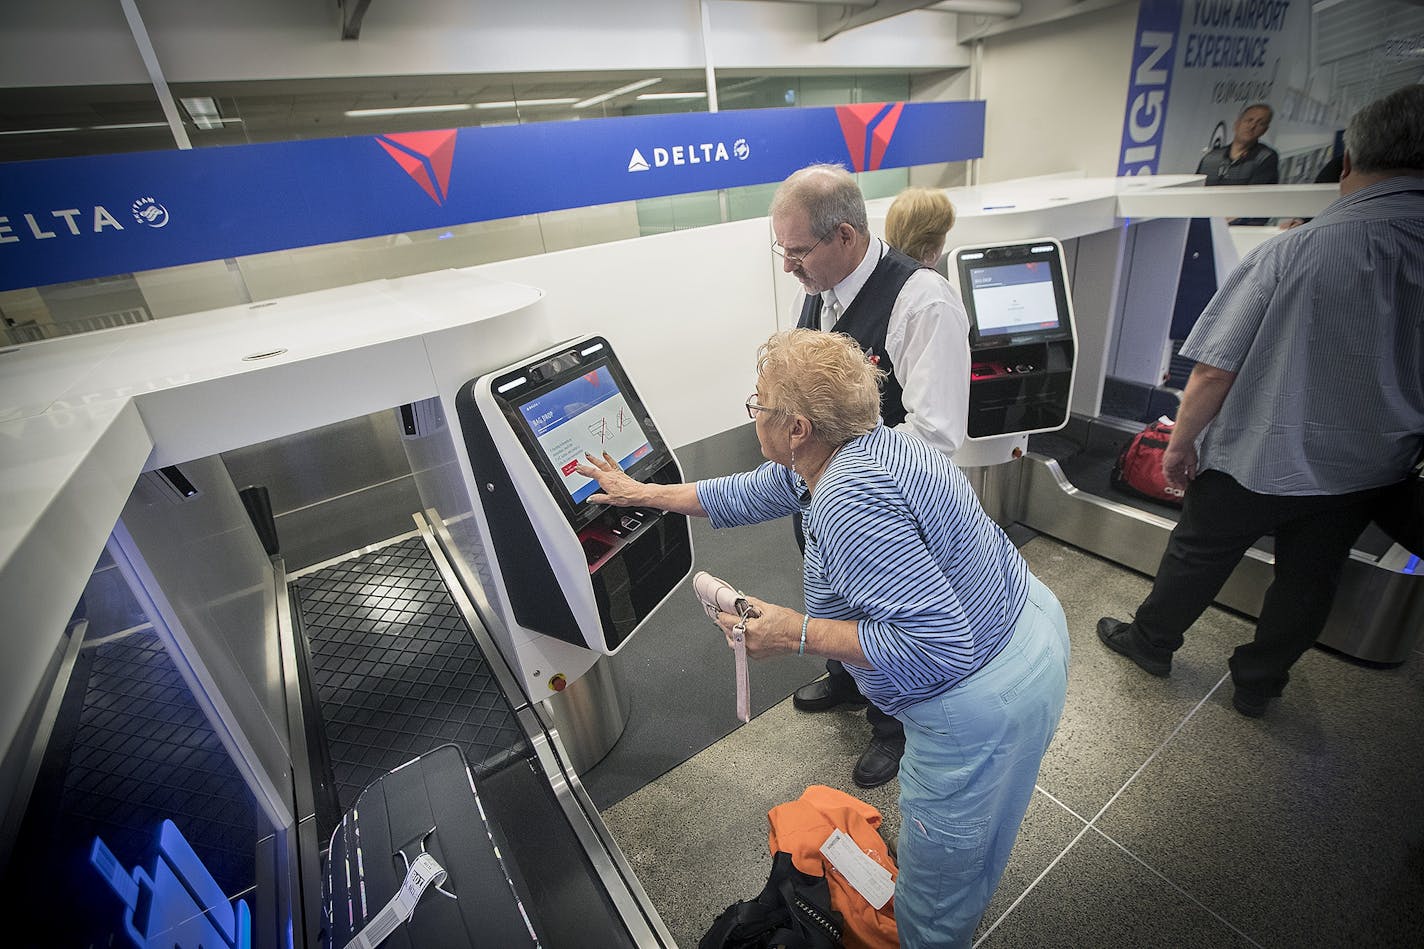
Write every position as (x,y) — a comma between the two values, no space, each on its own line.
(824,377)
(1270,112)
(1388,134)
(829,196)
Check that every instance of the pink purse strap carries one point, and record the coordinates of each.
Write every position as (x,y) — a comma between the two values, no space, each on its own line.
(719,596)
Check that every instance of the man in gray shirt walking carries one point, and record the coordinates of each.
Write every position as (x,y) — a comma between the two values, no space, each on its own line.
(1308,398)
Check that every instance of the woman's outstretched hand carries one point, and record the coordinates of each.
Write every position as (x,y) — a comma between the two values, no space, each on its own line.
(618,488)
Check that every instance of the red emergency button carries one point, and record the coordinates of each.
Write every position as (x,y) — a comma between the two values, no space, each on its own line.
(558,682)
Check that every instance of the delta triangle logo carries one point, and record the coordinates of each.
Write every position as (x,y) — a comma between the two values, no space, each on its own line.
(637,162)
(426,156)
(867,130)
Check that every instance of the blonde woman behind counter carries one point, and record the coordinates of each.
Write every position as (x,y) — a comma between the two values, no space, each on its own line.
(918,222)
(921,596)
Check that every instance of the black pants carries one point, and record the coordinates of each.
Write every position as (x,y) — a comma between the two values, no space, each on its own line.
(1220,520)
(882,725)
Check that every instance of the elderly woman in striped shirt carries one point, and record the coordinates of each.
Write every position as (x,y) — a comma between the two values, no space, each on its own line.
(920,595)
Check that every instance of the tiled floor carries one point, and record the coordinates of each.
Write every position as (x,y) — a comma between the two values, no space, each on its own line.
(1163,817)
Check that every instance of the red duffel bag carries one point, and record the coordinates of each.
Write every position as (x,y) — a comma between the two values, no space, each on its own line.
(1139,468)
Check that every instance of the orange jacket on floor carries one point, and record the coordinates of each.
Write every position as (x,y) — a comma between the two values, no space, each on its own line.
(800,827)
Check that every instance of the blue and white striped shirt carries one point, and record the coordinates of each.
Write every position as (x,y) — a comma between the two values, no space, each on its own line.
(896,541)
(1324,326)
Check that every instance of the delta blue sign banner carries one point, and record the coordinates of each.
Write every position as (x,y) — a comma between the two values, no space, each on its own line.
(74,218)
(1158,23)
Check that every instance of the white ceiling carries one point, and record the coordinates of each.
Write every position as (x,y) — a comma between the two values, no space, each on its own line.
(1362,48)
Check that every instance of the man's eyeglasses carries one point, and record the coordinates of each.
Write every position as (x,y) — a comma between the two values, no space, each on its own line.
(797,258)
(754,406)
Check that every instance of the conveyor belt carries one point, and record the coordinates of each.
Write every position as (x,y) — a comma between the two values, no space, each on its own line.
(1089,467)
(396,670)
(1063,492)
(399,672)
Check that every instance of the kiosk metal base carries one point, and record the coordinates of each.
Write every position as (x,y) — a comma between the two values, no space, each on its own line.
(589,715)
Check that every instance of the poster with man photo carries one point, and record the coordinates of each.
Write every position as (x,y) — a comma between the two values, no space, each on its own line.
(1198,68)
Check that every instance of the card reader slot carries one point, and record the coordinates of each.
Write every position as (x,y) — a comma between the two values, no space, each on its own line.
(594,549)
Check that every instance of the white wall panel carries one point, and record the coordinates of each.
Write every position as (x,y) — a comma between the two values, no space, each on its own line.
(1056,96)
(306,269)
(191,288)
(684,311)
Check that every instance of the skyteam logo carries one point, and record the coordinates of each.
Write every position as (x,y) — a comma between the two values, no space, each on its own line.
(150,212)
(867,130)
(426,156)
(697,153)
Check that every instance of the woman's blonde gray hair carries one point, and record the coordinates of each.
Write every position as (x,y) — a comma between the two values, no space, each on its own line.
(824,377)
(917,222)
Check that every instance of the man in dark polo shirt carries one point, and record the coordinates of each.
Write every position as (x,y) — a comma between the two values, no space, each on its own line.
(1244,160)
(911,323)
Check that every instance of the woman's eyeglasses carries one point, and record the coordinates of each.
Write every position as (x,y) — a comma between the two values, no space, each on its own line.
(754,406)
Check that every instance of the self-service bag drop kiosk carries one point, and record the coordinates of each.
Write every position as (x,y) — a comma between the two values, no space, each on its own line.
(1022,344)
(574,570)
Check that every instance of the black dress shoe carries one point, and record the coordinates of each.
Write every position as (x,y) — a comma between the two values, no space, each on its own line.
(879,763)
(823,694)
(1250,704)
(1117,636)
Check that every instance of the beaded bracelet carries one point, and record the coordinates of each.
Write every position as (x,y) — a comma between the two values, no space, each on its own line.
(805,620)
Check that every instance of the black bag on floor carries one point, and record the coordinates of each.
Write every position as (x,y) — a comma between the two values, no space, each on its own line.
(793,911)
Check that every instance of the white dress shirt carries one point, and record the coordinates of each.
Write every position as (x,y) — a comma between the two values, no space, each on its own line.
(927,341)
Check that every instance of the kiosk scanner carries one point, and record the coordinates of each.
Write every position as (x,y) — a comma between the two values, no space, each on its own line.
(1021,345)
(585,573)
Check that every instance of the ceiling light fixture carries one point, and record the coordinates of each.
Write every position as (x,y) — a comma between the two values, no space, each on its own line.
(758,80)
(408,110)
(67,128)
(671,95)
(520,103)
(204,112)
(620,91)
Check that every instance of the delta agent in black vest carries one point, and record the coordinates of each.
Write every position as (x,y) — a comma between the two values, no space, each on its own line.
(867,321)
(821,234)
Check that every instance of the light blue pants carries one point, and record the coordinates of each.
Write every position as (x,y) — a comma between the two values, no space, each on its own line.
(971,760)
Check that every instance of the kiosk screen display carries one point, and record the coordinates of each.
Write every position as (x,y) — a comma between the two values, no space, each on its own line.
(1014,298)
(589,413)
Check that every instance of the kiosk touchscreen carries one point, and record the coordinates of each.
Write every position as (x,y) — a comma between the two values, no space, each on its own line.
(590,413)
(1021,337)
(1014,299)
(574,569)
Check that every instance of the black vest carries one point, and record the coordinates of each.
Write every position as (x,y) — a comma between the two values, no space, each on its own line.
(868,318)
